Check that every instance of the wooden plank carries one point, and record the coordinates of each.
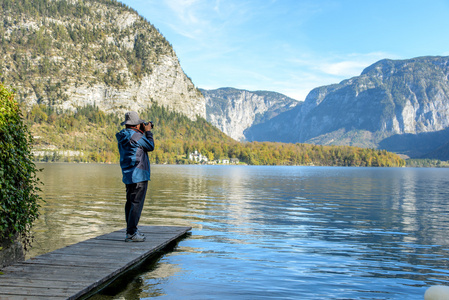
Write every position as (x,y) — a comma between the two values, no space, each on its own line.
(22,297)
(40,291)
(74,260)
(57,272)
(27,282)
(79,269)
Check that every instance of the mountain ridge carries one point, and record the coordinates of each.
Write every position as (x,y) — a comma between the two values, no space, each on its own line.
(234,111)
(389,99)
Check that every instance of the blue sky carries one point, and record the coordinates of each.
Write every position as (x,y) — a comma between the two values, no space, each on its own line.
(293,46)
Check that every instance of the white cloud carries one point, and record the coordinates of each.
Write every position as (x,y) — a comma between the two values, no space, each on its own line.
(210,23)
(184,9)
(351,64)
(344,68)
(340,65)
(187,19)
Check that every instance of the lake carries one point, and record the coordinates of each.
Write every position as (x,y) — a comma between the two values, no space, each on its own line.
(264,232)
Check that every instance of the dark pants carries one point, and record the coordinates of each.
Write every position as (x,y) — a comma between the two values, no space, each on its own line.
(135,197)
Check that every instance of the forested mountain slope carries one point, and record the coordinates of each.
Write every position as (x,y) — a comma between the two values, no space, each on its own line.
(68,54)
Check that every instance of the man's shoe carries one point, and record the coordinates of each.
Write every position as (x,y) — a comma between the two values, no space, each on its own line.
(136,237)
(141,233)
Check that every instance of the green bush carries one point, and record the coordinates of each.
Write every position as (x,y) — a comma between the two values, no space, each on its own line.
(18,181)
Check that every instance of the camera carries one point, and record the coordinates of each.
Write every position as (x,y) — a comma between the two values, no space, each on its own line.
(142,125)
(149,122)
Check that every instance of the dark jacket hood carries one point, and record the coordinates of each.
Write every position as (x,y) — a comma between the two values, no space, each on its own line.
(124,136)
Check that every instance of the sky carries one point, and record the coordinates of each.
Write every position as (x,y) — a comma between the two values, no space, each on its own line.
(294,46)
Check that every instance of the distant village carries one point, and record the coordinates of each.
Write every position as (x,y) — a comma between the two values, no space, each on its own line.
(202,159)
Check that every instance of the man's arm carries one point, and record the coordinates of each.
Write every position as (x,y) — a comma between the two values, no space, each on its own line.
(147,141)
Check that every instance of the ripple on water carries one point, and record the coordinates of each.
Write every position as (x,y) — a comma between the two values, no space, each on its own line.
(266,232)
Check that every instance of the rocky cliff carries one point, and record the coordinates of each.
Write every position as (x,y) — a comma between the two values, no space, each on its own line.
(72,53)
(391,97)
(234,111)
(391,102)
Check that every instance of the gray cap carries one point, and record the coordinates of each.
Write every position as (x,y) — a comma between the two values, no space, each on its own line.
(132,118)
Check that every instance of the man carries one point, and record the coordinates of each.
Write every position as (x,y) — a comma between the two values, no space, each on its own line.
(134,142)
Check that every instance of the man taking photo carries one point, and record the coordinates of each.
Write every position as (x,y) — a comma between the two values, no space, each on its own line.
(134,143)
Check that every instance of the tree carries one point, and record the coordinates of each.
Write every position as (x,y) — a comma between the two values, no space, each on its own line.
(18,181)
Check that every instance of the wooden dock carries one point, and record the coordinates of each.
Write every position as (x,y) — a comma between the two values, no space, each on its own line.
(81,269)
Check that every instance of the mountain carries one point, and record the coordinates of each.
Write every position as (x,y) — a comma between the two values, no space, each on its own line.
(277,129)
(397,105)
(234,111)
(69,54)
(441,153)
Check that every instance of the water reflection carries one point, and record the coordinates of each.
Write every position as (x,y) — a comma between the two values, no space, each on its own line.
(267,232)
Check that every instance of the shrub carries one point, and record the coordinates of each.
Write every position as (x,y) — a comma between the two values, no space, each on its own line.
(19,199)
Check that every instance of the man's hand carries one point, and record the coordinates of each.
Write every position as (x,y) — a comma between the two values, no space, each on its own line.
(148,127)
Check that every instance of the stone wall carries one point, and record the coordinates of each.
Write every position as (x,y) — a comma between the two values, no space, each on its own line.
(11,252)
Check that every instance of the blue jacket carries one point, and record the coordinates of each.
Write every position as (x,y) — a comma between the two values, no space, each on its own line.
(133,146)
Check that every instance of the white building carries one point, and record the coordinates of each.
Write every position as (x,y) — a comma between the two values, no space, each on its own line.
(198,157)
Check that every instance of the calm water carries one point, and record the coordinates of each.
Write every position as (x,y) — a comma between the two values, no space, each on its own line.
(266,232)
